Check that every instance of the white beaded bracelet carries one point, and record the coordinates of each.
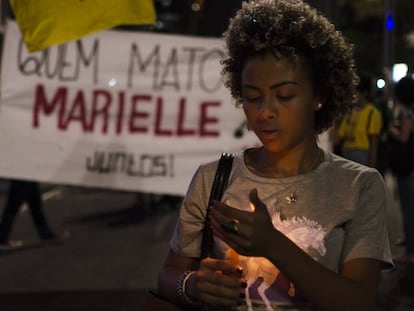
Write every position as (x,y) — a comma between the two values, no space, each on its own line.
(181,288)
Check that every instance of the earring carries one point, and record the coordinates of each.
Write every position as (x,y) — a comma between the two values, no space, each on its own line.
(319,106)
(248,126)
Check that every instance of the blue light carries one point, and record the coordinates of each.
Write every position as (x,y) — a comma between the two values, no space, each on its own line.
(389,22)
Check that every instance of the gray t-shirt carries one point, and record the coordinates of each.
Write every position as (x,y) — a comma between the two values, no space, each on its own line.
(339,215)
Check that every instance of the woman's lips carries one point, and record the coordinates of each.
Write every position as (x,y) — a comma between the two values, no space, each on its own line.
(270,133)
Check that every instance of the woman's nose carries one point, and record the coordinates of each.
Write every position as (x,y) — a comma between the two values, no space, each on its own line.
(268,108)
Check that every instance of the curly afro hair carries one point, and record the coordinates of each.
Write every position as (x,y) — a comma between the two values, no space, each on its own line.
(293,29)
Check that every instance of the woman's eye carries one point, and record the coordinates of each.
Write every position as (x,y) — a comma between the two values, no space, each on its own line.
(285,97)
(251,100)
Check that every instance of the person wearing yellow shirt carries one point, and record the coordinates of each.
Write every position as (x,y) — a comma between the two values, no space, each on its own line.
(359,131)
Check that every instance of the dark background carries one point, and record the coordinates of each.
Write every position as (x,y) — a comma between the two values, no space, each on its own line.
(362,22)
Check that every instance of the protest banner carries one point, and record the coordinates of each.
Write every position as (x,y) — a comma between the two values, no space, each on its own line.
(123,110)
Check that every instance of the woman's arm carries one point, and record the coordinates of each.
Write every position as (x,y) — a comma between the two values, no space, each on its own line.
(214,282)
(354,288)
(169,274)
(402,133)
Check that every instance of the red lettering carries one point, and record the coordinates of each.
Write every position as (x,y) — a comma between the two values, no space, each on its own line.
(181,131)
(100,109)
(120,115)
(158,117)
(41,105)
(205,119)
(77,112)
(135,114)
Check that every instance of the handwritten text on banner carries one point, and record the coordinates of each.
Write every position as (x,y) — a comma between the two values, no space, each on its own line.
(123,110)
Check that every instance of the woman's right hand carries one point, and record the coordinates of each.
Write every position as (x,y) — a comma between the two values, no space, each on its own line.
(217,283)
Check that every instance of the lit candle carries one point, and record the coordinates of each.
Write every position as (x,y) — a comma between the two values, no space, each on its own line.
(234,257)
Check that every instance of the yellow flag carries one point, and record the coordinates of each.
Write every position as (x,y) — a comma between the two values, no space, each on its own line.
(48,22)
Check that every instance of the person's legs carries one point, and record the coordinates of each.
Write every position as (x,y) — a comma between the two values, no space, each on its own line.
(15,198)
(34,200)
(406,194)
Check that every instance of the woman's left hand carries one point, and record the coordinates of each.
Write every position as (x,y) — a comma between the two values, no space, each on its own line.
(248,233)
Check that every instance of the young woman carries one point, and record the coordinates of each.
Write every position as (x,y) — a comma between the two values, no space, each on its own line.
(297,226)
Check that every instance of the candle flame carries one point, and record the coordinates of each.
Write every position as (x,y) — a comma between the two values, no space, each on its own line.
(234,257)
(252,207)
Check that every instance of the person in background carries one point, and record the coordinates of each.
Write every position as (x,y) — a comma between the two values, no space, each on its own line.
(401,144)
(384,105)
(21,191)
(359,131)
(298,227)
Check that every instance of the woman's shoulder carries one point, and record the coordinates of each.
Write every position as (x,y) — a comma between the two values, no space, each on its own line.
(342,166)
(346,177)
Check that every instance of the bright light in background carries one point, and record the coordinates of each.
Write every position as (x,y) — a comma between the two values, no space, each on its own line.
(380,83)
(389,22)
(399,71)
(112,82)
(195,7)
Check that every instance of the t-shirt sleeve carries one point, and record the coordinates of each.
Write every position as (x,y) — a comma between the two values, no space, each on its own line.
(375,123)
(366,233)
(186,239)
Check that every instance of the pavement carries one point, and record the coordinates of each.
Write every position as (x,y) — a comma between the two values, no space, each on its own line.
(116,248)
(113,254)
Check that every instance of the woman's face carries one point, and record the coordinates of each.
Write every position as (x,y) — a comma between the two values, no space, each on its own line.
(279,102)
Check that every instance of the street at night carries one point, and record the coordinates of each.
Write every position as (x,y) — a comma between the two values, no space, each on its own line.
(114,253)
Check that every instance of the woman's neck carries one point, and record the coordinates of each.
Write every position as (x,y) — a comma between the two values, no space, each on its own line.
(283,164)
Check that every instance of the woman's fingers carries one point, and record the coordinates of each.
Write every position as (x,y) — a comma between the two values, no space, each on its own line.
(232,236)
(218,267)
(244,231)
(229,211)
(219,283)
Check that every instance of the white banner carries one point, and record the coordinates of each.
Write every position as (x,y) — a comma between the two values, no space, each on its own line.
(123,110)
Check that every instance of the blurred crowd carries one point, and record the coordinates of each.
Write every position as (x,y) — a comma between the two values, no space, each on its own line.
(378,132)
